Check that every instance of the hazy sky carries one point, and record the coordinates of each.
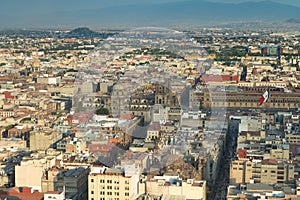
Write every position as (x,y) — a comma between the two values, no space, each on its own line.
(41,6)
(290,2)
(26,12)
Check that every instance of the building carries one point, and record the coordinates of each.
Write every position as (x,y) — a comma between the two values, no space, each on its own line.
(172,187)
(54,195)
(34,167)
(24,193)
(72,181)
(43,139)
(262,191)
(249,98)
(106,183)
(266,171)
(153,132)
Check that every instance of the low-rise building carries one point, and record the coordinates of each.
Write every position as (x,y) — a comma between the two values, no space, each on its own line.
(172,187)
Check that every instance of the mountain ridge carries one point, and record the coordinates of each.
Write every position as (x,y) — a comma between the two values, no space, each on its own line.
(191,12)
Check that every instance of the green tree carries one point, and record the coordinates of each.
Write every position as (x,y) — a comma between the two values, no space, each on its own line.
(102,111)
(9,127)
(25,119)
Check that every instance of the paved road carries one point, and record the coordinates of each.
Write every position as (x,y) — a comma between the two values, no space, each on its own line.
(220,190)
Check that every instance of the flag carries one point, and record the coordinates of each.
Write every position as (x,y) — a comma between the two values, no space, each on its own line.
(264,98)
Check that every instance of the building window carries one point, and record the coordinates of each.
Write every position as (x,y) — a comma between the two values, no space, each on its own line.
(92,180)
(126,194)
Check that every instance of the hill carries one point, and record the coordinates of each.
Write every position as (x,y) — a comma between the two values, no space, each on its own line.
(84,32)
(294,20)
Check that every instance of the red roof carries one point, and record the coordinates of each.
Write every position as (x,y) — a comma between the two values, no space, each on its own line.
(251,133)
(242,153)
(269,161)
(100,148)
(77,118)
(127,116)
(155,126)
(53,192)
(8,95)
(24,193)
(218,78)
(128,154)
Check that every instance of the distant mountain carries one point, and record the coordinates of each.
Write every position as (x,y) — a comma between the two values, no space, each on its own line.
(294,20)
(84,32)
(193,12)
(81,31)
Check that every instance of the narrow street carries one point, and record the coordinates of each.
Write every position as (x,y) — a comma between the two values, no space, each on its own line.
(219,192)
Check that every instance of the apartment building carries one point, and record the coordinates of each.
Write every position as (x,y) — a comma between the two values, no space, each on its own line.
(112,184)
(266,171)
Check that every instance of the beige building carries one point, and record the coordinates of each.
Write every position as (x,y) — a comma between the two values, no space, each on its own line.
(3,176)
(171,187)
(249,98)
(252,136)
(280,152)
(57,195)
(153,132)
(43,140)
(266,171)
(292,138)
(106,183)
(7,113)
(30,171)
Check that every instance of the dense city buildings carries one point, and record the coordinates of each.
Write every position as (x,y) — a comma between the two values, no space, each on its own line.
(150,114)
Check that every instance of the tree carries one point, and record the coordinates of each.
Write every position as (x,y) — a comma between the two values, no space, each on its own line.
(102,111)
(25,119)
(9,127)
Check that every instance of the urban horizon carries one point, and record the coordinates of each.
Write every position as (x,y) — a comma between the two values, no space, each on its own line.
(173,100)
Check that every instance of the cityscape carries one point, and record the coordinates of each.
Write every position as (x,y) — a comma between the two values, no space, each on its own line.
(207,111)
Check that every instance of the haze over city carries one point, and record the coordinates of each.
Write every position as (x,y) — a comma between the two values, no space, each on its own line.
(149,100)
